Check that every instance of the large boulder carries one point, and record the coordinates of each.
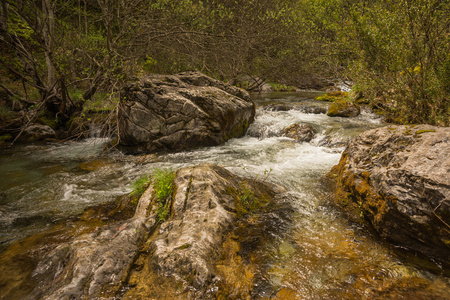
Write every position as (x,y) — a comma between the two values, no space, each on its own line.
(143,254)
(398,178)
(181,112)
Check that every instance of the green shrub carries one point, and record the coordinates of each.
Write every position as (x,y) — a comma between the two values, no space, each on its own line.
(140,185)
(402,64)
(163,183)
(163,186)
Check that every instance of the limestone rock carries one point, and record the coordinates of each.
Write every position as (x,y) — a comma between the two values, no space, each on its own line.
(342,108)
(181,112)
(398,176)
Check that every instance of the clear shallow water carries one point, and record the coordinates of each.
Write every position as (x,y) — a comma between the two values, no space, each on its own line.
(323,257)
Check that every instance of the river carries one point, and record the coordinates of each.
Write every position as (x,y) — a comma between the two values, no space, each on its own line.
(324,256)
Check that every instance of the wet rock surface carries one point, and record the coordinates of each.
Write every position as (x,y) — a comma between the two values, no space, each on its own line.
(307,109)
(300,132)
(185,255)
(398,178)
(180,112)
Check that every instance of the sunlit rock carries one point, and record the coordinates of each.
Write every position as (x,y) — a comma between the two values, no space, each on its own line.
(211,212)
(398,178)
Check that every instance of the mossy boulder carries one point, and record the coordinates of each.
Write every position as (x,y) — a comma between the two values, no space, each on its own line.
(181,112)
(397,177)
(342,108)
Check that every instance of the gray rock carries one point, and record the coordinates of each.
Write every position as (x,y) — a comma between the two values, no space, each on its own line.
(311,109)
(37,132)
(334,141)
(278,107)
(95,262)
(262,131)
(181,112)
(398,176)
(265,88)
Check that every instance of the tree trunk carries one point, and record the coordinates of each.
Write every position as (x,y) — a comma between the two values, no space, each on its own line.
(4,16)
(47,35)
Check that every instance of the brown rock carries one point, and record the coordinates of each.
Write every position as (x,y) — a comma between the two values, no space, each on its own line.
(179,254)
(300,132)
(398,177)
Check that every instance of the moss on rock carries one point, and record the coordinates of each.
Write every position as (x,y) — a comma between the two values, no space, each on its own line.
(343,108)
(332,96)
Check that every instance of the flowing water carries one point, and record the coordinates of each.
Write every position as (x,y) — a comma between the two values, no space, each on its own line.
(323,256)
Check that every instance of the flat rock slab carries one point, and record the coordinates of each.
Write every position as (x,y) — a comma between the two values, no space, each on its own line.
(181,112)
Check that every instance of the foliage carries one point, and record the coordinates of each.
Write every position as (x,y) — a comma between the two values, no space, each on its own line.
(277,87)
(63,53)
(402,62)
(332,96)
(163,186)
(163,183)
(249,198)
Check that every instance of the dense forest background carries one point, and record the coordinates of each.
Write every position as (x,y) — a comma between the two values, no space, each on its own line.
(63,58)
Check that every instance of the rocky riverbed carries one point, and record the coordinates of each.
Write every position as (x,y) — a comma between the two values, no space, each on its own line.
(294,243)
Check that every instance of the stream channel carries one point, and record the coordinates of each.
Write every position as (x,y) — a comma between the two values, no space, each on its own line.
(324,256)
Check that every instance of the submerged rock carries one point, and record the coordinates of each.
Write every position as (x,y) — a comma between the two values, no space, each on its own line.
(181,112)
(307,109)
(136,257)
(262,131)
(342,108)
(278,107)
(398,178)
